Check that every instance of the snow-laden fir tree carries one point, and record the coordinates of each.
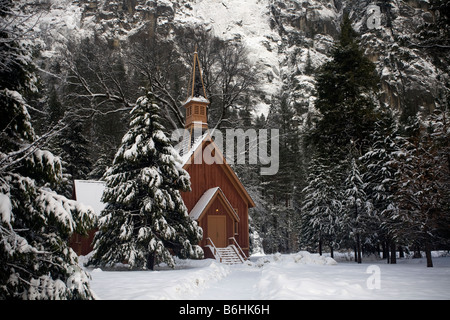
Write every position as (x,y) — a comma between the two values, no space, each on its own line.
(346,101)
(356,207)
(281,190)
(321,208)
(35,222)
(346,87)
(145,221)
(381,173)
(71,146)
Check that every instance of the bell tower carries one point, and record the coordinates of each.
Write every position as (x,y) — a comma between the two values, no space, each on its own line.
(196,103)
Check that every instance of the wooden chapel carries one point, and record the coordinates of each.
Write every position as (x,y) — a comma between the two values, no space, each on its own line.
(218,201)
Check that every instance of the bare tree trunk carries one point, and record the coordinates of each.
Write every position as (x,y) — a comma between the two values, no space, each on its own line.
(320,246)
(417,252)
(401,253)
(428,255)
(393,253)
(151,261)
(358,247)
(385,249)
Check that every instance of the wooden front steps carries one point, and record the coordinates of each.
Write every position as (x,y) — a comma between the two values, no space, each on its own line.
(232,254)
(228,255)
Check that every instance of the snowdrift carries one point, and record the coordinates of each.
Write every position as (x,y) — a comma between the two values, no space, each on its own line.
(301,257)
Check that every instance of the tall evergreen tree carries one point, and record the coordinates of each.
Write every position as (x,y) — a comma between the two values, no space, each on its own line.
(73,148)
(356,208)
(381,174)
(145,219)
(345,86)
(321,207)
(281,186)
(346,100)
(35,222)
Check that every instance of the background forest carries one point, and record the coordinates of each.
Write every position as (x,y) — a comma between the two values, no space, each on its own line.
(362,112)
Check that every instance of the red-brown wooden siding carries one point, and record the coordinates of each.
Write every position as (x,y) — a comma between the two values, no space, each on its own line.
(204,177)
(82,245)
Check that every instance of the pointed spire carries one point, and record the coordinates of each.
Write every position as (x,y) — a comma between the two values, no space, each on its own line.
(197,86)
(196,103)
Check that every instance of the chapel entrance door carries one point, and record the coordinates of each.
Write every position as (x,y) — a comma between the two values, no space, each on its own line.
(217,230)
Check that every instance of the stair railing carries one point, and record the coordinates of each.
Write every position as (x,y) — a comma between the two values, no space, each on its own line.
(236,244)
(214,250)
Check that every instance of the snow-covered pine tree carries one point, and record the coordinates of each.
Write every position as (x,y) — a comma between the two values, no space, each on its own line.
(356,206)
(346,101)
(346,87)
(145,220)
(381,172)
(35,222)
(321,208)
(72,147)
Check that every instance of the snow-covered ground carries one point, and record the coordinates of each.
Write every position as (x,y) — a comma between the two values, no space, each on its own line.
(273,277)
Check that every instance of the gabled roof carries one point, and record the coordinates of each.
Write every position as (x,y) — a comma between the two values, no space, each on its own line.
(189,152)
(207,199)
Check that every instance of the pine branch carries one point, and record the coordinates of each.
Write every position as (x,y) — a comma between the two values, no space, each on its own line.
(429,46)
(14,158)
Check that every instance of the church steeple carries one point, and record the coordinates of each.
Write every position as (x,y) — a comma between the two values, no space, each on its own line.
(197,103)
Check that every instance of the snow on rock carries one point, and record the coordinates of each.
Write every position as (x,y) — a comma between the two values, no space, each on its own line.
(57,21)
(283,38)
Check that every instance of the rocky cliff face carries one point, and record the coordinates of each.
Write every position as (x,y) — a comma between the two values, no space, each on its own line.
(286,39)
(408,77)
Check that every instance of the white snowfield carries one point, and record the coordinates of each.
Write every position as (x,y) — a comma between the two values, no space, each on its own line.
(280,277)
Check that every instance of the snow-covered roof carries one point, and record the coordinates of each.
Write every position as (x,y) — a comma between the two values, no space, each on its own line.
(186,149)
(89,192)
(205,199)
(202,203)
(196,99)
